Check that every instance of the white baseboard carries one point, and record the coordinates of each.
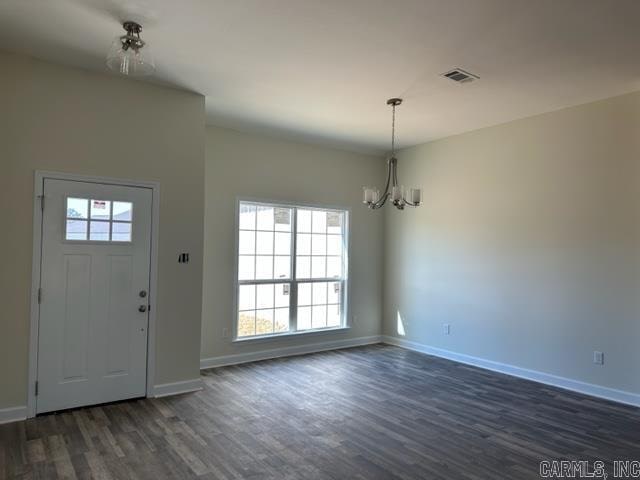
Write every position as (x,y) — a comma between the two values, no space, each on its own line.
(13,414)
(591,389)
(235,359)
(175,388)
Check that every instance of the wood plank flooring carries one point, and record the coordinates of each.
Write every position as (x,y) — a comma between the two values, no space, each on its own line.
(376,412)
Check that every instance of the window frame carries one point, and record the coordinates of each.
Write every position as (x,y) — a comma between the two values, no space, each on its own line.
(345,323)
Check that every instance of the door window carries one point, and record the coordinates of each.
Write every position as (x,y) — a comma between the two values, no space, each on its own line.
(94,220)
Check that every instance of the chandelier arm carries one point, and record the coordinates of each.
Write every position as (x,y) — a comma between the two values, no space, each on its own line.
(395,171)
(380,203)
(386,188)
(385,195)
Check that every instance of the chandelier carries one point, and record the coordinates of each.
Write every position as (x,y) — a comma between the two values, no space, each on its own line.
(126,55)
(372,196)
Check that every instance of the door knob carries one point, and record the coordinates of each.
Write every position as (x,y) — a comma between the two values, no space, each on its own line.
(142,293)
(142,308)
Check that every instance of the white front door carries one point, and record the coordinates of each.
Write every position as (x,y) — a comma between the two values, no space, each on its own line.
(92,338)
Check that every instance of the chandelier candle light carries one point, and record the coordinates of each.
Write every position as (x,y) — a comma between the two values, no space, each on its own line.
(397,194)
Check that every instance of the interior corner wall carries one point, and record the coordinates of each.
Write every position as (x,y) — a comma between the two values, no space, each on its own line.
(69,120)
(245,165)
(528,244)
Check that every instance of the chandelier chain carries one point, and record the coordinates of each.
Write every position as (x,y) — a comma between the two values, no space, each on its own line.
(393,131)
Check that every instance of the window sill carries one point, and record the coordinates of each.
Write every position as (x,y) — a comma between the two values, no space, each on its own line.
(291,334)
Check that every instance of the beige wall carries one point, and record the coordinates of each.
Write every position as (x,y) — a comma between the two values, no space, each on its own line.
(67,120)
(528,244)
(247,165)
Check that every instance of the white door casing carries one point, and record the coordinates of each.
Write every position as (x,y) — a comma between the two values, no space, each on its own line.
(92,338)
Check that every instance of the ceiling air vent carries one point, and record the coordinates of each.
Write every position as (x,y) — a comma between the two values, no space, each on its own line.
(460,76)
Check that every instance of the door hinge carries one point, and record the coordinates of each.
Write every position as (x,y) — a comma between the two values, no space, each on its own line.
(39,296)
(36,388)
(41,202)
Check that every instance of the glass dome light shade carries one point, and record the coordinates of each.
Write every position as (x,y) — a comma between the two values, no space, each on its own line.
(127,60)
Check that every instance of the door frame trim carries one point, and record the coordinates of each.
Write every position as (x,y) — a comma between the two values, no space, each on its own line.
(39,177)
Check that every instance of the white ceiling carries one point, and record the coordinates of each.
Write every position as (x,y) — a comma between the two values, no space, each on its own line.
(321,70)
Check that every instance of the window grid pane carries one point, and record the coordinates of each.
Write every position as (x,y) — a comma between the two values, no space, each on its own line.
(98,220)
(263,309)
(319,238)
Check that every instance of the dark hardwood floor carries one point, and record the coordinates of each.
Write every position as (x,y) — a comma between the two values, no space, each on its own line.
(376,412)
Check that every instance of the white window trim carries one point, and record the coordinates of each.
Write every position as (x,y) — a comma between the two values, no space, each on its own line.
(346,320)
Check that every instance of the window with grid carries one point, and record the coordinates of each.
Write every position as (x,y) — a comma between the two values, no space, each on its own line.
(292,269)
(91,220)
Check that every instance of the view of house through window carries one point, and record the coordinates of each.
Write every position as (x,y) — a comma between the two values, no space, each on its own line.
(292,269)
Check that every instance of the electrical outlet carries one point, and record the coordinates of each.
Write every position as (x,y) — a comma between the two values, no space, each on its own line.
(354,319)
(225,333)
(598,358)
(446,329)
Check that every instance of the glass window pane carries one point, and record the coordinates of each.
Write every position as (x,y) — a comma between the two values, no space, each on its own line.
(333,316)
(246,267)
(247,216)
(264,296)
(304,318)
(246,324)
(303,244)
(264,267)
(76,230)
(304,294)
(318,244)
(265,253)
(318,267)
(304,221)
(319,293)
(334,267)
(282,243)
(334,244)
(265,218)
(77,207)
(246,242)
(319,221)
(282,294)
(121,231)
(264,244)
(281,320)
(334,222)
(282,219)
(333,293)
(247,297)
(264,322)
(303,267)
(122,211)
(100,209)
(319,316)
(282,267)
(99,231)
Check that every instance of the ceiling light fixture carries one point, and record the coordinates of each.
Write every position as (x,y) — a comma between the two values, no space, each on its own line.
(397,194)
(126,54)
